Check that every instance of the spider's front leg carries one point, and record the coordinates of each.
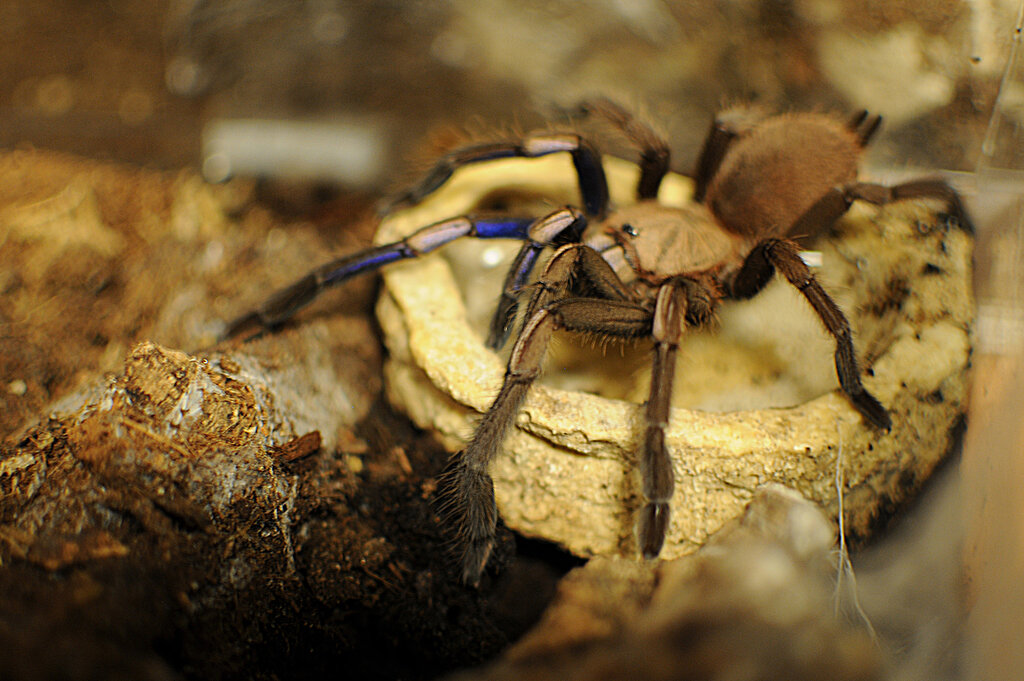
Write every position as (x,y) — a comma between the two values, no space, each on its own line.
(563,226)
(678,301)
(470,504)
(283,304)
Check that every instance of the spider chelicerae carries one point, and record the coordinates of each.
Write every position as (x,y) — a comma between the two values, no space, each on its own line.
(643,271)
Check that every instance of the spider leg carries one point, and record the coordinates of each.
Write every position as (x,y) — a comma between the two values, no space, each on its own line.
(725,128)
(589,168)
(576,260)
(286,302)
(835,203)
(678,300)
(544,232)
(716,143)
(783,255)
(469,490)
(471,501)
(572,259)
(654,150)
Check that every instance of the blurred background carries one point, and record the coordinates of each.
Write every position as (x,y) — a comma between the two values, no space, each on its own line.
(321,99)
(149,81)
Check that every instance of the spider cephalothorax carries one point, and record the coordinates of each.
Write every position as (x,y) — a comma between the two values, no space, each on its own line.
(642,271)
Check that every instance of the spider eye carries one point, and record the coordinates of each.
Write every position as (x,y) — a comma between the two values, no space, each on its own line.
(629,229)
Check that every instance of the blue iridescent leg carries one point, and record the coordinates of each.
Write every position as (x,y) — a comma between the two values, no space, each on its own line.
(654,149)
(586,159)
(286,302)
(563,226)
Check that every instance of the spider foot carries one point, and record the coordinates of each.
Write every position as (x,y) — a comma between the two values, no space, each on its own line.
(872,410)
(469,510)
(474,558)
(651,528)
(957,218)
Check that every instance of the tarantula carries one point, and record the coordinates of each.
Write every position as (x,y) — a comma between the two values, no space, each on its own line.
(644,270)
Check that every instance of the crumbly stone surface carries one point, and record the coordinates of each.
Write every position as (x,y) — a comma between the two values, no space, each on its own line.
(757,399)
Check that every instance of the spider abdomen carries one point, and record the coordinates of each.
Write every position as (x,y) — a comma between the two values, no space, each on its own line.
(772,175)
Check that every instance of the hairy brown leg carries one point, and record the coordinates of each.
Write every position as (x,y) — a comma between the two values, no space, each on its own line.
(470,503)
(835,203)
(561,225)
(654,150)
(578,261)
(727,125)
(678,301)
(784,256)
(711,154)
(656,473)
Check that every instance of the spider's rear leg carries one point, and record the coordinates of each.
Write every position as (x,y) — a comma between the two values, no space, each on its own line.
(836,202)
(470,504)
(286,302)
(727,125)
(784,255)
(593,183)
(864,125)
(717,141)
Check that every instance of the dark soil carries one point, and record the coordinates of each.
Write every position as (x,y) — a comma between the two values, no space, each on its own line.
(117,557)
